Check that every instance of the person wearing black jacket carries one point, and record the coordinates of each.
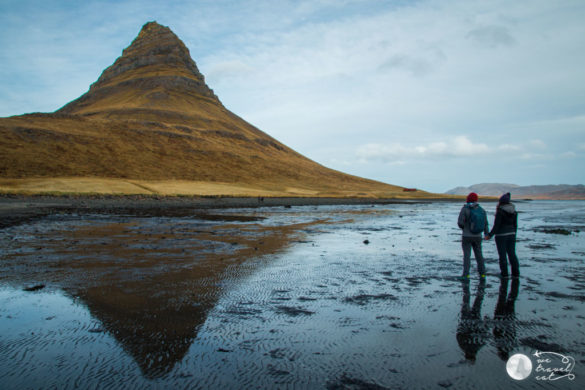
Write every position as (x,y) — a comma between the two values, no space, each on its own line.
(505,227)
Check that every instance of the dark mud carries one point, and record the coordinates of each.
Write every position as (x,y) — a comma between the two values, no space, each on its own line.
(17,209)
(279,298)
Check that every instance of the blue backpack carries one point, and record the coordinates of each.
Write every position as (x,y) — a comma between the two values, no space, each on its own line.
(477,219)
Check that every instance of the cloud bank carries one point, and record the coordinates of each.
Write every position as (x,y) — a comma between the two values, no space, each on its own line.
(459,146)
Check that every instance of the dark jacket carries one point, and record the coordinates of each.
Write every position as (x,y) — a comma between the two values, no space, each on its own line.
(506,222)
(464,221)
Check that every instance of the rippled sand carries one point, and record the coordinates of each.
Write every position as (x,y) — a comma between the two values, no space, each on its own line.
(307,297)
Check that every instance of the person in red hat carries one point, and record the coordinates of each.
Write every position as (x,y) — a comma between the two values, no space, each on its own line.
(473,223)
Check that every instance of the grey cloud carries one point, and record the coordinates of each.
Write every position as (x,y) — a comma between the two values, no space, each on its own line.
(228,69)
(491,36)
(413,65)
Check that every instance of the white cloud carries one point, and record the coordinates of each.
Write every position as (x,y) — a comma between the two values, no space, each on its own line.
(509,148)
(537,144)
(537,156)
(460,146)
(457,147)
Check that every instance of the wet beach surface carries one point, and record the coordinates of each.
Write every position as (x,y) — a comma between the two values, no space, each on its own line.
(16,209)
(354,296)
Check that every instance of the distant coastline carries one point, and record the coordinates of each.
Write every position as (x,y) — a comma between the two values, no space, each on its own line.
(537,192)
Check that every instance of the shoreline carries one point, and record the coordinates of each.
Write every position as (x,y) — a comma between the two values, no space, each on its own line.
(18,209)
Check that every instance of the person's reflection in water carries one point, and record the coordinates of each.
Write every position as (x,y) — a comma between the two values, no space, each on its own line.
(505,319)
(471,330)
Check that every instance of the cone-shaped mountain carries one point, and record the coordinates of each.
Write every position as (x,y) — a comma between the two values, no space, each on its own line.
(158,65)
(150,117)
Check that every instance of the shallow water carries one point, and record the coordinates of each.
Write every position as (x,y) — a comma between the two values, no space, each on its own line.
(292,298)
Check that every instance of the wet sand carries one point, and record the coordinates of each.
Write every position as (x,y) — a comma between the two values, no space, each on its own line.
(343,296)
(16,209)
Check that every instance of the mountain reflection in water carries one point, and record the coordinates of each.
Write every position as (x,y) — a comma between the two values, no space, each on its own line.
(150,282)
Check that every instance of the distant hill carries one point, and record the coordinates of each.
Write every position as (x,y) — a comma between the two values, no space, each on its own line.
(150,124)
(553,191)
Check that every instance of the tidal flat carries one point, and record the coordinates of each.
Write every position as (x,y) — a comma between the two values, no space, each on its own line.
(335,297)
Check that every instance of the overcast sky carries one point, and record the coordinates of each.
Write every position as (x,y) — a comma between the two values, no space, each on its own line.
(426,94)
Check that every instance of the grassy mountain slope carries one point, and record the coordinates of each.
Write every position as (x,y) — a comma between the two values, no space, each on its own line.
(150,124)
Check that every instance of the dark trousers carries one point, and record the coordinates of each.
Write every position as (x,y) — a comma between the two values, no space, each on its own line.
(468,243)
(507,252)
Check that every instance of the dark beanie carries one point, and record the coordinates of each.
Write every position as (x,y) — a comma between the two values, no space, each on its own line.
(472,197)
(505,198)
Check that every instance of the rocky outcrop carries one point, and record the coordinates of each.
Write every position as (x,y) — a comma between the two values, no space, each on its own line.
(154,45)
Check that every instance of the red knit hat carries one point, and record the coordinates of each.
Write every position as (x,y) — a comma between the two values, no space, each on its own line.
(472,197)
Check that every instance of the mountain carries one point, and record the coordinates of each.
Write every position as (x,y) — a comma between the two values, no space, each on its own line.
(487,189)
(150,124)
(558,191)
(154,76)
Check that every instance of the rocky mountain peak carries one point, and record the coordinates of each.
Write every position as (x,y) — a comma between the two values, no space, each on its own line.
(153,72)
(155,46)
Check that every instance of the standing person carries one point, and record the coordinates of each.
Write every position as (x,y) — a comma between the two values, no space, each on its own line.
(473,222)
(505,227)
